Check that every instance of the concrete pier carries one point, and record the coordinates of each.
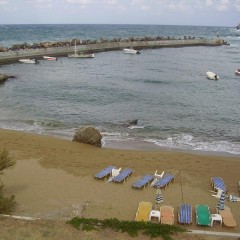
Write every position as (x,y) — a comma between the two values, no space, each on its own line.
(13,56)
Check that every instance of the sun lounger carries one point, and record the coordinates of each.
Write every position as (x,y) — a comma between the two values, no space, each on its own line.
(105,172)
(227,217)
(232,198)
(217,183)
(143,181)
(203,215)
(123,175)
(144,209)
(167,215)
(163,182)
(185,214)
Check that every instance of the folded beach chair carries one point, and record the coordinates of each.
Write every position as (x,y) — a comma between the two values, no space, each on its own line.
(123,175)
(227,217)
(232,198)
(105,172)
(203,215)
(143,181)
(164,181)
(167,215)
(185,214)
(217,183)
(144,209)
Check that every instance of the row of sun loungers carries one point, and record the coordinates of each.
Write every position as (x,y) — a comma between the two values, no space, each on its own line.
(165,215)
(116,175)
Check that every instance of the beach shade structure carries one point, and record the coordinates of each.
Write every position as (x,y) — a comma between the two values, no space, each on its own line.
(218,183)
(221,201)
(227,217)
(105,172)
(167,215)
(123,175)
(143,181)
(159,197)
(203,217)
(185,214)
(164,181)
(144,209)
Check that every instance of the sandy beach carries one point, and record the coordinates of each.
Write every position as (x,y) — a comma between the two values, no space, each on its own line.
(53,179)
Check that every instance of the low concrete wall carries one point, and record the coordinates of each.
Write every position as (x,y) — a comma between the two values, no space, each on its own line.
(13,56)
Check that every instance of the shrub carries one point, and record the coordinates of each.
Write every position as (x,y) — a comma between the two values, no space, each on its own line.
(6,204)
(131,227)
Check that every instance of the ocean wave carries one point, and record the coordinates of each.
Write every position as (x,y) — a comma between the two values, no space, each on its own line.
(188,142)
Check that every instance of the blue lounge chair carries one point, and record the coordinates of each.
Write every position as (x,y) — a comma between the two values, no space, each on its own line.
(123,175)
(217,183)
(143,181)
(105,172)
(163,182)
(185,214)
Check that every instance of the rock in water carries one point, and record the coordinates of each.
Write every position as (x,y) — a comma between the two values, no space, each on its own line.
(89,135)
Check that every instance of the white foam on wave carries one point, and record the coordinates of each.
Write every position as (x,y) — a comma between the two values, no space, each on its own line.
(188,142)
(136,127)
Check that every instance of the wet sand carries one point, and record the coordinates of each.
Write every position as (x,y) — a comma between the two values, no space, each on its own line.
(53,178)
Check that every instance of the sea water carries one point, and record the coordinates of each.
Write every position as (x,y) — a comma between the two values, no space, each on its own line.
(165,89)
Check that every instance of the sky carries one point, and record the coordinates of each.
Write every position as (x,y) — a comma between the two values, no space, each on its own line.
(158,12)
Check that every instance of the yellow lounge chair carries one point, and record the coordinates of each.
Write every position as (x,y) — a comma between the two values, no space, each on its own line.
(144,209)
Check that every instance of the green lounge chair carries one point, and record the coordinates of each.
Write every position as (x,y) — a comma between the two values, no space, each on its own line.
(203,215)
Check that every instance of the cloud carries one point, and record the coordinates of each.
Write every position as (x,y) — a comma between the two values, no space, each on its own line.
(41,3)
(141,4)
(79,2)
(4,2)
(238,5)
(223,5)
(209,3)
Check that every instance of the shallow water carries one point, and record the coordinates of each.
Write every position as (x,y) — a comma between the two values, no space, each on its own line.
(166,89)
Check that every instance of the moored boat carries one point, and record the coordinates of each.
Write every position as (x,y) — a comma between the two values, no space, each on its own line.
(80,55)
(212,75)
(28,60)
(131,51)
(50,58)
(237,72)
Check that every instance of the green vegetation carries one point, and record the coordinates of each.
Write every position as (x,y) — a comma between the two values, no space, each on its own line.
(131,227)
(6,204)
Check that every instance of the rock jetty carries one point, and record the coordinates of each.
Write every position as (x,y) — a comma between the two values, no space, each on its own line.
(60,49)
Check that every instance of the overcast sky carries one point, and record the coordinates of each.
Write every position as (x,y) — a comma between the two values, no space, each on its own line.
(160,12)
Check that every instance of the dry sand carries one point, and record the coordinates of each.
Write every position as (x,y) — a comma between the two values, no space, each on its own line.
(53,179)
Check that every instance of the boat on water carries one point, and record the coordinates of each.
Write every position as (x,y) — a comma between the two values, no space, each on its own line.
(28,60)
(212,75)
(80,55)
(237,72)
(131,51)
(50,58)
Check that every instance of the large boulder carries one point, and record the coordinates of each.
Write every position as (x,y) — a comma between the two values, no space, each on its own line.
(4,77)
(89,135)
(238,26)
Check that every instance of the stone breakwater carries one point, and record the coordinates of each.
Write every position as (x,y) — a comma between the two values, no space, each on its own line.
(59,50)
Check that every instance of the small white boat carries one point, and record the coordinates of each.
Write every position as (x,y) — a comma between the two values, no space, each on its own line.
(212,76)
(28,60)
(237,72)
(131,51)
(50,58)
